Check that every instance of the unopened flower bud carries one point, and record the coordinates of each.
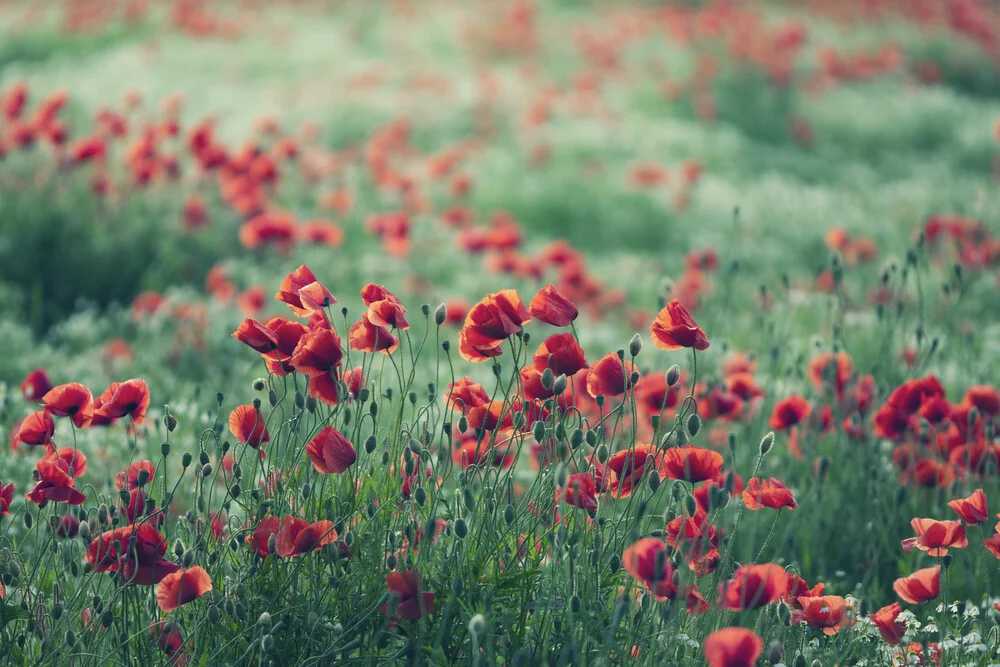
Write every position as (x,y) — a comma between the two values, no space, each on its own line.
(440,314)
(766,443)
(673,375)
(694,425)
(635,345)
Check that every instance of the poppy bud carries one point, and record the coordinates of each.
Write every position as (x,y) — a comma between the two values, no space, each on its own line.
(653,480)
(682,437)
(85,533)
(635,345)
(548,378)
(186,459)
(691,505)
(477,624)
(559,386)
(694,425)
(822,469)
(165,449)
(766,443)
(673,375)
(306,491)
(420,496)
(203,458)
(70,638)
(946,560)
(311,404)
(169,422)
(602,453)
(463,424)
(102,513)
(206,470)
(28,520)
(272,400)
(599,399)
(469,499)
(440,314)
(508,514)
(576,438)
(385,458)
(784,614)
(461,528)
(775,653)
(446,345)
(107,618)
(562,475)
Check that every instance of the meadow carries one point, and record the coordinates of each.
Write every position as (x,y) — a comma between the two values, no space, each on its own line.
(511,332)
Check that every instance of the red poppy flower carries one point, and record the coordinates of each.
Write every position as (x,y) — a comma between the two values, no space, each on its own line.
(743,385)
(288,292)
(330,452)
(179,588)
(829,613)
(935,537)
(71,400)
(366,337)
(168,637)
(692,464)
(694,536)
(986,399)
(733,647)
(135,507)
(35,385)
(36,429)
(972,510)
(140,542)
(610,376)
(562,353)
(797,587)
(491,321)
(68,526)
(753,586)
(648,562)
(581,491)
(464,394)
(892,631)
(287,333)
(551,307)
(6,498)
(297,536)
(318,352)
(771,493)
(128,478)
(993,544)
(256,336)
(72,460)
(246,423)
(831,369)
(410,600)
(674,328)
(127,398)
(629,465)
(789,412)
(921,586)
(384,309)
(54,484)
(259,538)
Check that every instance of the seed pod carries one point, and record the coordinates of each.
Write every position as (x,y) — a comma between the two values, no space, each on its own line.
(165,449)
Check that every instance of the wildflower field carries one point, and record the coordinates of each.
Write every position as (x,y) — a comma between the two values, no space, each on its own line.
(514,332)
